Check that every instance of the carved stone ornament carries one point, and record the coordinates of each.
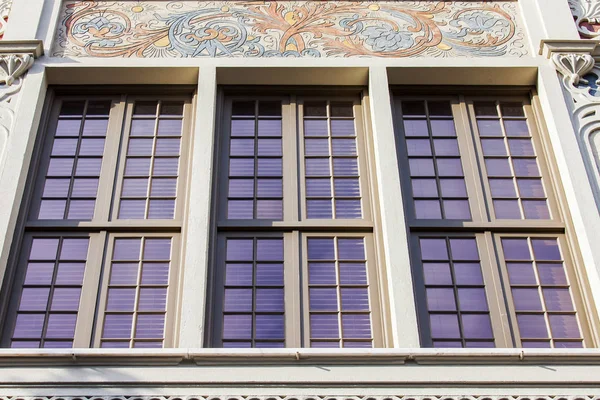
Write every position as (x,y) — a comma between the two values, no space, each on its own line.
(573,66)
(4,11)
(586,11)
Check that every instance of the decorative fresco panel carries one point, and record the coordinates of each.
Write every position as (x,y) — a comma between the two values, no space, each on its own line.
(156,29)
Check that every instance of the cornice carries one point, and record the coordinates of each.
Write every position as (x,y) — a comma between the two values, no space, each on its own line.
(34,48)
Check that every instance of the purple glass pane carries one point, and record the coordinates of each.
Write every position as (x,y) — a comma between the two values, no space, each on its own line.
(536,209)
(242,127)
(147,108)
(39,273)
(136,187)
(269,345)
(357,345)
(350,209)
(269,147)
(241,167)
(442,127)
(269,127)
(516,249)
(237,326)
(502,188)
(447,344)
(516,128)
(323,299)
(238,300)
(142,127)
(498,167)
(433,249)
(418,147)
(240,250)
(58,344)
(421,167)
(535,345)
(531,188)
(319,209)
(117,326)
(88,167)
(480,345)
(341,127)
(155,273)
(493,147)
(440,299)
(29,326)
(526,167)
(269,249)
(237,345)
(240,209)
(269,274)
(351,249)
(345,167)
(64,147)
(437,274)
(169,127)
(521,273)
(140,147)
(453,187)
(61,167)
(489,127)
(19,344)
(150,326)
(472,299)
(115,345)
(318,187)
(446,147)
(120,299)
(356,326)
(424,188)
(68,127)
(324,345)
(56,188)
(127,249)
(564,326)
(343,147)
(85,188)
(269,188)
(317,167)
(468,274)
(341,109)
(526,299)
(61,326)
(449,167)
(238,275)
(532,326)
(147,345)
(161,209)
(321,273)
(152,299)
(163,187)
(487,109)
(269,327)
(124,274)
(477,326)
(242,147)
(444,326)
(43,249)
(464,249)
(321,249)
(347,187)
(165,166)
(137,166)
(269,300)
(132,209)
(353,273)
(568,345)
(316,147)
(269,209)
(507,209)
(52,209)
(315,127)
(65,299)
(521,147)
(512,109)
(428,209)
(34,299)
(551,274)
(456,209)
(546,249)
(270,167)
(324,326)
(74,249)
(91,147)
(558,299)
(81,209)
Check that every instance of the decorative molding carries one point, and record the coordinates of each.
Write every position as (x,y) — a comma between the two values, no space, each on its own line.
(190,28)
(305,397)
(5,6)
(586,12)
(573,66)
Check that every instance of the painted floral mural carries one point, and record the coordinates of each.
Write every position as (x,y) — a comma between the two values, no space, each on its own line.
(289,29)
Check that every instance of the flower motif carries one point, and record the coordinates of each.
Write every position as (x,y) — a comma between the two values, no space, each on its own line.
(385,38)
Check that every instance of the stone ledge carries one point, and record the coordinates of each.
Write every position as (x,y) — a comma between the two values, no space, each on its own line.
(32,47)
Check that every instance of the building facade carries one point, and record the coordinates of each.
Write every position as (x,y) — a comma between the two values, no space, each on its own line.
(299,199)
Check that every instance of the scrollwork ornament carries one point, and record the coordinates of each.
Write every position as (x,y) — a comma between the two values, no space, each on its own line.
(585,11)
(573,66)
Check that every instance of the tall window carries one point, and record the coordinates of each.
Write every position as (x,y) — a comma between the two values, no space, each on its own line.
(295,263)
(109,176)
(489,254)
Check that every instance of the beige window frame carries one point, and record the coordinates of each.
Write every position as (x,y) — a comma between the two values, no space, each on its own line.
(104,226)
(484,226)
(294,227)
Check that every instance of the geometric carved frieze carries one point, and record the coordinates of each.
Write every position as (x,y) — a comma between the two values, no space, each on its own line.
(286,28)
